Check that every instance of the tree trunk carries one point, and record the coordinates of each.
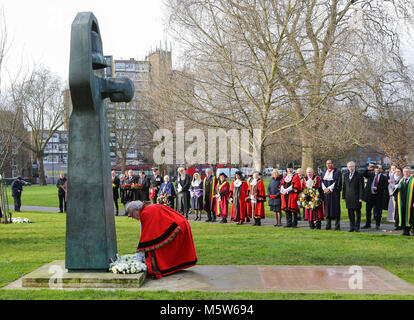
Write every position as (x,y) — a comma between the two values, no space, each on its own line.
(308,153)
(123,162)
(2,204)
(41,169)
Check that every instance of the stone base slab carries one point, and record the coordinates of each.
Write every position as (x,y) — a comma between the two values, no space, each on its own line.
(55,276)
(230,278)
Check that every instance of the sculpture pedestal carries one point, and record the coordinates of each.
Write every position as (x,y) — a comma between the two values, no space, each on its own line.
(55,276)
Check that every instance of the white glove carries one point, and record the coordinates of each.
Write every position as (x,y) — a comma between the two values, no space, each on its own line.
(289,189)
(231,200)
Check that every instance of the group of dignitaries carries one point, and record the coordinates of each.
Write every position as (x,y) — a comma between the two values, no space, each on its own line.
(316,197)
(242,199)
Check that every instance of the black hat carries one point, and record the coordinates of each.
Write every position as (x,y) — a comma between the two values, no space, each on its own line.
(240,173)
(290,165)
(19,178)
(154,169)
(223,174)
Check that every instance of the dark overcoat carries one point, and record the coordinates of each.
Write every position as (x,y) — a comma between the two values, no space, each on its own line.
(353,190)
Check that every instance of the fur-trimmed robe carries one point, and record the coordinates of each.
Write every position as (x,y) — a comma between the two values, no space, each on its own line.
(167,241)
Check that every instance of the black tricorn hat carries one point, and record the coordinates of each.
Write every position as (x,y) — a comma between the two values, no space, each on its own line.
(290,165)
(223,174)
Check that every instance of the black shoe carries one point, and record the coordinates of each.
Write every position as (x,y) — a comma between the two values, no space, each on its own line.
(406,233)
(208,220)
(366,227)
(259,222)
(223,220)
(351,230)
(288,226)
(357,230)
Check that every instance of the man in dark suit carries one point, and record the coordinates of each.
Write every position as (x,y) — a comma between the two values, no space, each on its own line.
(143,193)
(352,193)
(155,184)
(61,192)
(374,194)
(17,189)
(115,190)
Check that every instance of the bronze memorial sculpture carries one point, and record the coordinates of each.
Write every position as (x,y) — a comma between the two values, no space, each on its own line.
(90,225)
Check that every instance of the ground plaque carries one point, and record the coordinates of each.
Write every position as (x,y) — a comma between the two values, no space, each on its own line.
(90,225)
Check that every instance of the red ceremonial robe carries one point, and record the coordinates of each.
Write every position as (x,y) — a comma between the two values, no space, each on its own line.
(167,241)
(223,205)
(248,204)
(317,213)
(260,196)
(241,204)
(292,203)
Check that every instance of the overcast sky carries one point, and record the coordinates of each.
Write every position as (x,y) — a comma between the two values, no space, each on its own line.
(39,31)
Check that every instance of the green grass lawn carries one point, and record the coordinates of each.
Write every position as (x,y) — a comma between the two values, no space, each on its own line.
(23,248)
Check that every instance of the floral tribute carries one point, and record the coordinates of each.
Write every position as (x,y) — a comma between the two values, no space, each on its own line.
(310,198)
(20,220)
(129,264)
(162,199)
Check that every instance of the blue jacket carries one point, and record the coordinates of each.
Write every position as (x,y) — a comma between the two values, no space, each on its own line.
(167,188)
(273,189)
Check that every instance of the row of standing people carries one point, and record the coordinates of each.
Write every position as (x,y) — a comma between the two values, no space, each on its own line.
(245,199)
(321,196)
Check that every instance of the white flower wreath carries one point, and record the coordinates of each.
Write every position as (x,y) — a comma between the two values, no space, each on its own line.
(129,264)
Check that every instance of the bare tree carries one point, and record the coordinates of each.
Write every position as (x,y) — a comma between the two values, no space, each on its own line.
(131,127)
(273,65)
(39,98)
(389,96)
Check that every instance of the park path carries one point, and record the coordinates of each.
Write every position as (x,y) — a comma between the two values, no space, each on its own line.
(268,222)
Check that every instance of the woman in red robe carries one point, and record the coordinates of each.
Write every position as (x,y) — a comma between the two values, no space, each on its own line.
(290,188)
(166,238)
(238,193)
(222,197)
(258,198)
